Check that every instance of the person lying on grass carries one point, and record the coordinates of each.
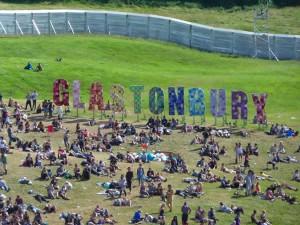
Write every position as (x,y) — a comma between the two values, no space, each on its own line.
(122,202)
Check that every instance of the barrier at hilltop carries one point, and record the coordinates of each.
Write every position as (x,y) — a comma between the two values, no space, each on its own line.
(201,37)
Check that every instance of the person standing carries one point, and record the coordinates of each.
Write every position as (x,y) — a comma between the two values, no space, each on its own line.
(186,210)
(34,96)
(66,139)
(140,174)
(161,216)
(122,185)
(169,196)
(129,176)
(10,135)
(3,160)
(28,101)
(50,108)
(174,221)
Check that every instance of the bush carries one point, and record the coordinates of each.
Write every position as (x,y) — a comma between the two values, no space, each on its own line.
(227,3)
(282,3)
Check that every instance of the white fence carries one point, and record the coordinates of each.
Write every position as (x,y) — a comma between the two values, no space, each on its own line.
(52,22)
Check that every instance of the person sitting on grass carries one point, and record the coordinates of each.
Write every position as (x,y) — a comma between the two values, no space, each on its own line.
(225,208)
(122,202)
(77,173)
(86,173)
(269,195)
(38,68)
(61,171)
(52,191)
(3,185)
(45,174)
(143,192)
(28,162)
(64,190)
(41,127)
(28,66)
(62,155)
(137,217)
(296,176)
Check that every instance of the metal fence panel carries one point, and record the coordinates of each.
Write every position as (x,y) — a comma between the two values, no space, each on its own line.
(159,28)
(96,22)
(262,49)
(8,22)
(201,38)
(297,48)
(41,20)
(77,21)
(180,33)
(222,41)
(25,22)
(117,24)
(59,22)
(285,46)
(138,26)
(243,43)
(149,26)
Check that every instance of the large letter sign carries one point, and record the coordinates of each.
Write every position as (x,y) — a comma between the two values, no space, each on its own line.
(196,102)
(218,102)
(239,107)
(96,96)
(76,95)
(176,101)
(156,100)
(137,101)
(260,103)
(117,95)
(60,87)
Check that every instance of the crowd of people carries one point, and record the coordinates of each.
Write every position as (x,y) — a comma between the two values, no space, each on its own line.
(84,144)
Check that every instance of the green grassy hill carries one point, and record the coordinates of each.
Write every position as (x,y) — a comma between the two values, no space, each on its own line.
(134,61)
(150,63)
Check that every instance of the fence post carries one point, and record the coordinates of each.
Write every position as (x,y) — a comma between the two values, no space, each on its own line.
(49,18)
(15,23)
(31,23)
(127,25)
(148,27)
(85,22)
(190,35)
(105,25)
(66,22)
(232,42)
(169,30)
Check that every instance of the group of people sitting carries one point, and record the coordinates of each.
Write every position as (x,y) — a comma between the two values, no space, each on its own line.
(282,131)
(38,68)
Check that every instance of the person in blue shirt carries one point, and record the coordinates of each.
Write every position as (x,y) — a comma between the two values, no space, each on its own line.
(140,174)
(137,217)
(28,66)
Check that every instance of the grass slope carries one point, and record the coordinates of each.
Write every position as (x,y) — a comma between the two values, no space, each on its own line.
(120,60)
(150,63)
(281,20)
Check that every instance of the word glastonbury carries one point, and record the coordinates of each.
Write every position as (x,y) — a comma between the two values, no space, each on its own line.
(239,100)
